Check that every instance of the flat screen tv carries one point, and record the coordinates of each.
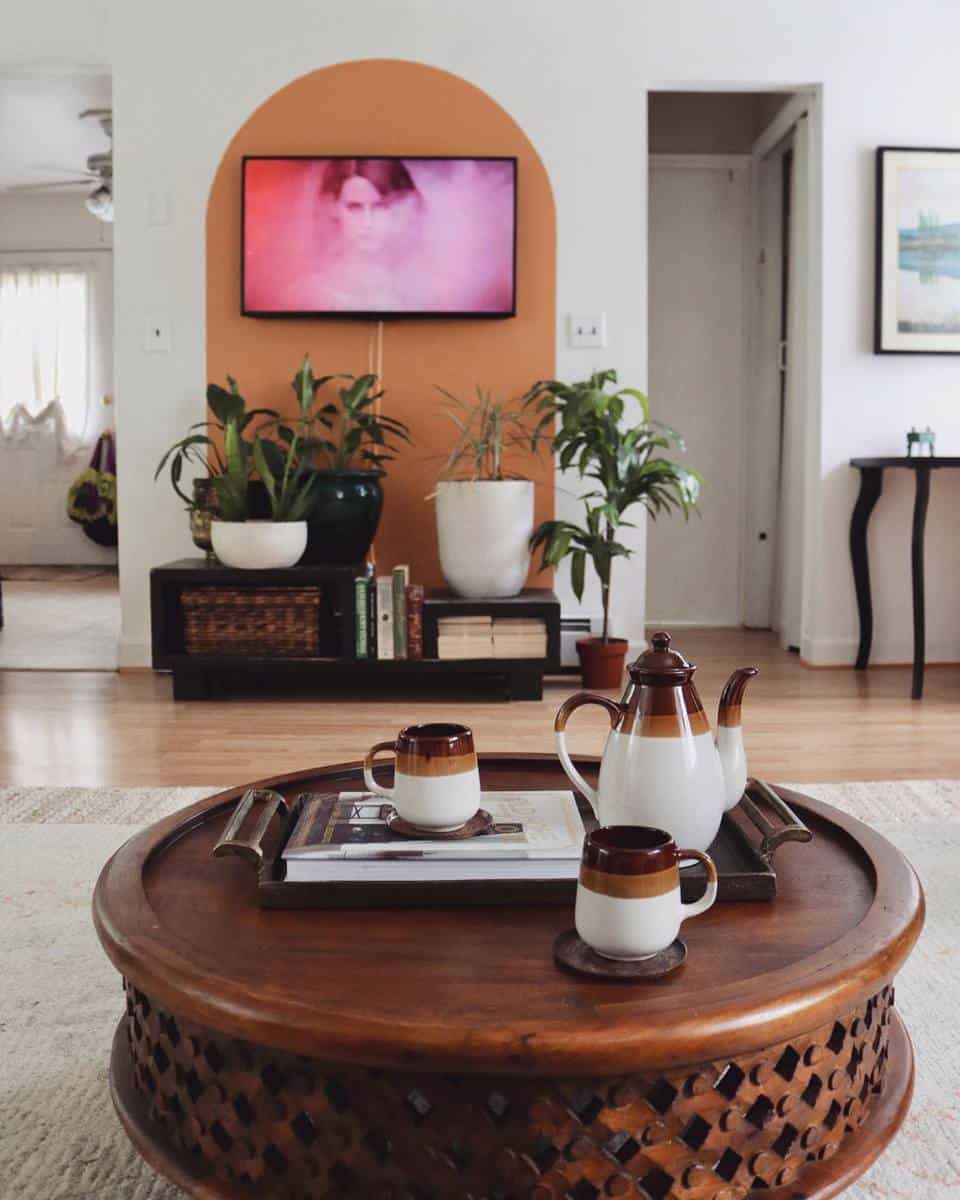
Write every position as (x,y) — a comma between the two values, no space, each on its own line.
(379,237)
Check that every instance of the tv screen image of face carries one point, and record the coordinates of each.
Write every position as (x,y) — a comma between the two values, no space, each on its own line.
(379,236)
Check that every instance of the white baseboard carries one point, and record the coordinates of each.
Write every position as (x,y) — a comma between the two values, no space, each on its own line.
(828,652)
(668,623)
(133,653)
(890,652)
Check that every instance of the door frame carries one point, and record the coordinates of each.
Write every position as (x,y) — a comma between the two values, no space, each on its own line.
(811,93)
(805,102)
(742,164)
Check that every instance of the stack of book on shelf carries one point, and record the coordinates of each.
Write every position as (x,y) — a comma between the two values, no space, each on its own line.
(465,637)
(519,637)
(344,838)
(389,615)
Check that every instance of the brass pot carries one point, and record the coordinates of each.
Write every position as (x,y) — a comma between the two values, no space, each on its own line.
(206,505)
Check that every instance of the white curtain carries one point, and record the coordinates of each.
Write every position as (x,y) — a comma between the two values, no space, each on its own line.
(797,393)
(44,353)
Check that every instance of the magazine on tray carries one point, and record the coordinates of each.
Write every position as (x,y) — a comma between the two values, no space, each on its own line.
(535,835)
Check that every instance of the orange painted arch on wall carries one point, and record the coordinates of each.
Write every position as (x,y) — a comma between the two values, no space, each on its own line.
(391,107)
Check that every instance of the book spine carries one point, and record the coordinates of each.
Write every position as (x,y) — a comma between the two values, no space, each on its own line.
(371,617)
(399,613)
(414,620)
(361,632)
(385,617)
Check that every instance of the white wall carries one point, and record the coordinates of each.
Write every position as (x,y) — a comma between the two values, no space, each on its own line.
(187,74)
(34,475)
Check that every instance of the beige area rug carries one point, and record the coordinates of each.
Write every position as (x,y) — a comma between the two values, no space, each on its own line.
(60,999)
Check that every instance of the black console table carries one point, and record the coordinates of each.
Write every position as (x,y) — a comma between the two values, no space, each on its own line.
(871,485)
(194,675)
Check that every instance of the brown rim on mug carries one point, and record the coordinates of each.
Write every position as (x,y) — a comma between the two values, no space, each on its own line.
(439,748)
(633,862)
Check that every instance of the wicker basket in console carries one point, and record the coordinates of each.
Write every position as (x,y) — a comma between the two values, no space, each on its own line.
(257,622)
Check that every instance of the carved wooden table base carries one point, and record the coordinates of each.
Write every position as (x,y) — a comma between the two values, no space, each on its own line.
(296,1128)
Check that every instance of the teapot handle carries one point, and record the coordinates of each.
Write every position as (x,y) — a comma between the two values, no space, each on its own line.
(576,701)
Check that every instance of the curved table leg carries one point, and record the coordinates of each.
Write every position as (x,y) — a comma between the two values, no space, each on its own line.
(921,500)
(871,485)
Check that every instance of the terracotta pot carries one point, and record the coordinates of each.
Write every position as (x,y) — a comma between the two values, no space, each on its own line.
(601,663)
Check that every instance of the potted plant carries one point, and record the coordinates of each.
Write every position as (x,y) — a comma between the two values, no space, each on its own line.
(485,513)
(240,535)
(627,464)
(348,441)
(203,451)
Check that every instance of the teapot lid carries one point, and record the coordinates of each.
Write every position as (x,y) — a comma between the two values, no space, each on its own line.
(661,665)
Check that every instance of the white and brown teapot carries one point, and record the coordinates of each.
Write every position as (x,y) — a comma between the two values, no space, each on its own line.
(661,765)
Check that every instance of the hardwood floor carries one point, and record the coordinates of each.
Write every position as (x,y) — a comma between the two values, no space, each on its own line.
(89,729)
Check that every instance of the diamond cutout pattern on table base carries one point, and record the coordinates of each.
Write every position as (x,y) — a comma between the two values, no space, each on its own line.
(318,1131)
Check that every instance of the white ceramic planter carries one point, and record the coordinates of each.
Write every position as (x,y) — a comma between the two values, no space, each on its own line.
(484,529)
(259,545)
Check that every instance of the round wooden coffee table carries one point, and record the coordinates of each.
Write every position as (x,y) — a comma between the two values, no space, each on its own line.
(427,1054)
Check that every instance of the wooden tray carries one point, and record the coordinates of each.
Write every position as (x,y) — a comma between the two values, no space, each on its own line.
(744,863)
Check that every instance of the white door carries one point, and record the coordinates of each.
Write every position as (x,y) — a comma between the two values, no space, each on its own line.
(699,238)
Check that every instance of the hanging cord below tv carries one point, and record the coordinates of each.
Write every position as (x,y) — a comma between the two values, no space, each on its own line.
(375,367)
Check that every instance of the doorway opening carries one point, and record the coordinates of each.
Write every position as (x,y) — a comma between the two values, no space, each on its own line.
(731,247)
(58,583)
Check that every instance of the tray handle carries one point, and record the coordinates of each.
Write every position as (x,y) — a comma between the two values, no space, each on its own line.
(250,848)
(791,829)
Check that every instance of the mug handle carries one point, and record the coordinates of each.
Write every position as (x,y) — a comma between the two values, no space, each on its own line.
(696,907)
(576,701)
(368,779)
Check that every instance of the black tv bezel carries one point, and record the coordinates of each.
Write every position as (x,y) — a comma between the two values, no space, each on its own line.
(340,314)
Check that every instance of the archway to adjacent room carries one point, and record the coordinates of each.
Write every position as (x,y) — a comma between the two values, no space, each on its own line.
(734,254)
(391,107)
(59,593)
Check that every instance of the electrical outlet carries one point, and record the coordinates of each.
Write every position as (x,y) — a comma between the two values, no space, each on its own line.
(156,337)
(586,330)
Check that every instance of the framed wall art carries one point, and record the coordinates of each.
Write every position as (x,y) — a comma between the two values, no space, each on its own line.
(918,251)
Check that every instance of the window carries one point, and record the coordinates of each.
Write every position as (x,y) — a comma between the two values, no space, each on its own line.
(44,349)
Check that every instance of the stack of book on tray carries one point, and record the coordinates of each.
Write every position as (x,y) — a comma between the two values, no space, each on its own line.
(344,838)
(389,615)
(491,637)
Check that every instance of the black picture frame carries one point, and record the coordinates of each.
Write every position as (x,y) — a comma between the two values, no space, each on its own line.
(888,336)
(402,315)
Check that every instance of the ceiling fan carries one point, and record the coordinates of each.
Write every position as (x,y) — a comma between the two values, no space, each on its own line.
(99,171)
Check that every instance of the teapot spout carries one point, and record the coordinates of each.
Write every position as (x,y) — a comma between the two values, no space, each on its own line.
(733,760)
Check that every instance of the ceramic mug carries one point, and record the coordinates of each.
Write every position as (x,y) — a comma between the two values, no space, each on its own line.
(436,781)
(628,894)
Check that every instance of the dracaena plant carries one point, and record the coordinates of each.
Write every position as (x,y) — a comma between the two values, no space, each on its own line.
(486,429)
(225,457)
(348,432)
(627,463)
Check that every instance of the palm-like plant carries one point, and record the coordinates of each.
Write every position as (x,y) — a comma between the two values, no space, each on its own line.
(627,465)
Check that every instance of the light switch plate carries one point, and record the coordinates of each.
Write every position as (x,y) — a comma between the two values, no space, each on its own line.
(156,335)
(586,330)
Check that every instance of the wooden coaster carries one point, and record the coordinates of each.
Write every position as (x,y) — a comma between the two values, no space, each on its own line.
(480,822)
(572,952)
